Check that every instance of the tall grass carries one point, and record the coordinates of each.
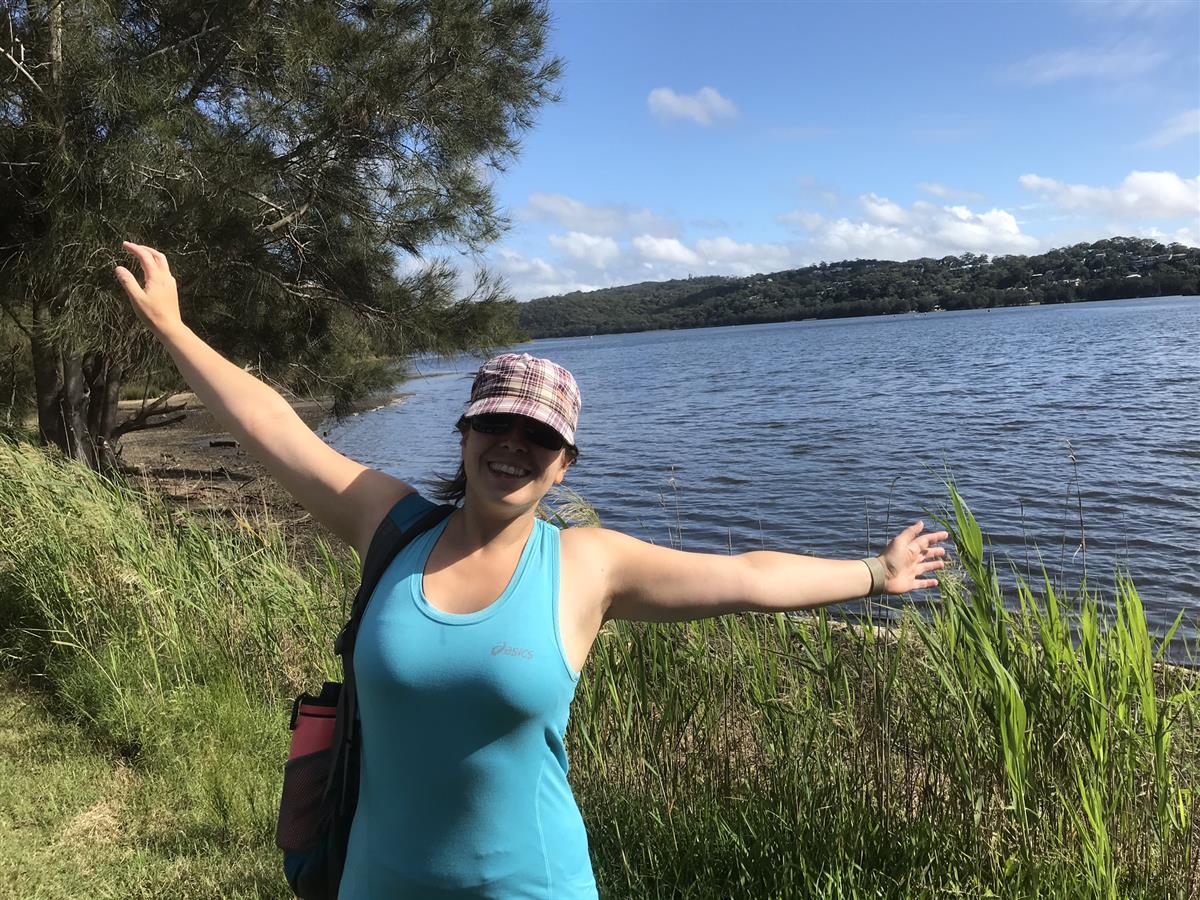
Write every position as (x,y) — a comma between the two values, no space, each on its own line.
(1021,750)
(981,752)
(175,644)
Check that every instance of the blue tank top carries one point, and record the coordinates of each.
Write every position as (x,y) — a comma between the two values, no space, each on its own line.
(464,789)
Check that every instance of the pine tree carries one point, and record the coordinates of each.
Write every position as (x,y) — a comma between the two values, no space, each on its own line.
(284,154)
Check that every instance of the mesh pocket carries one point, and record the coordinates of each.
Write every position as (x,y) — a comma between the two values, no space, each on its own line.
(304,779)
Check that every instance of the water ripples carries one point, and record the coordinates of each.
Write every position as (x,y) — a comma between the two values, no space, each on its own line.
(825,437)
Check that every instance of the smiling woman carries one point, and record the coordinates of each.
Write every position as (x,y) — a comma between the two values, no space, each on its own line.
(469,653)
(499,402)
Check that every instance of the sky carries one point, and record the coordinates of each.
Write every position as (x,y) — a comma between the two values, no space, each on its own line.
(740,137)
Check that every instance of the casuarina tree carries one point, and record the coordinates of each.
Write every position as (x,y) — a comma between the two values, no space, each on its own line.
(295,159)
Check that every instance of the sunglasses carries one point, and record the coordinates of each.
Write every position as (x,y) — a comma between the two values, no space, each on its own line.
(535,432)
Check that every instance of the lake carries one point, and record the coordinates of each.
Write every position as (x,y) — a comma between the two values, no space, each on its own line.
(1071,430)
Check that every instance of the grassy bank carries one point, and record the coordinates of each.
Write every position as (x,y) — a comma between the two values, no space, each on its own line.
(983,752)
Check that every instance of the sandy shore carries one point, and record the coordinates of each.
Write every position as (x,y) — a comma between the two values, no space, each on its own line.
(195,463)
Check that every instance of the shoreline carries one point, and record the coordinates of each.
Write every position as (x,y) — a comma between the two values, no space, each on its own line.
(196,464)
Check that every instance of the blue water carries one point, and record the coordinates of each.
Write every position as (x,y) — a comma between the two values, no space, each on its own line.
(1070,430)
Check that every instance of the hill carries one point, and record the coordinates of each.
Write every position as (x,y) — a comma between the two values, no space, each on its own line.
(1115,268)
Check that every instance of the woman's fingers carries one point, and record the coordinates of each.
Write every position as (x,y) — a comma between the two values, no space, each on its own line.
(128,281)
(141,254)
(156,299)
(146,258)
(911,555)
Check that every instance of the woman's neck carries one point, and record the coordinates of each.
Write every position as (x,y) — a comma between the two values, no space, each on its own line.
(473,529)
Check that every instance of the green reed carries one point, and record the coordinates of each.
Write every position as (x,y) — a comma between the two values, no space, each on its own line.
(1036,748)
(980,751)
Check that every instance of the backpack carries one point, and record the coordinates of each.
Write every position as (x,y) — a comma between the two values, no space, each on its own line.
(320,779)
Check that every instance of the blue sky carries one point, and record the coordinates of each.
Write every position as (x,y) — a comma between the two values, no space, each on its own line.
(741,137)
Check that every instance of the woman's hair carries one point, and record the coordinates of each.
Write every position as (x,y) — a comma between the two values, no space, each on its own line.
(452,489)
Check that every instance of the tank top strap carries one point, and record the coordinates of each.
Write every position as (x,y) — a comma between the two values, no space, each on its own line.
(532,615)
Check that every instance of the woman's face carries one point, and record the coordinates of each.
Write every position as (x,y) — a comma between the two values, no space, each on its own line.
(509,469)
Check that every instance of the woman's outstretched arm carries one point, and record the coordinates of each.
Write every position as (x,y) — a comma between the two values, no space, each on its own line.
(650,583)
(345,496)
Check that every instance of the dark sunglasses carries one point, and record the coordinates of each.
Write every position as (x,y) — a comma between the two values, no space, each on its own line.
(535,432)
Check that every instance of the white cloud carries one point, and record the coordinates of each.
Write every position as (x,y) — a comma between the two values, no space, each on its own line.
(531,277)
(1188,236)
(926,230)
(948,193)
(513,263)
(844,239)
(1130,9)
(1124,60)
(595,250)
(599,219)
(1184,125)
(1141,196)
(668,250)
(817,190)
(810,221)
(727,256)
(881,209)
(705,107)
(957,226)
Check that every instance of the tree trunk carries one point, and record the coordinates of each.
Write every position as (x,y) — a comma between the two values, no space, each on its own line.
(104,383)
(46,379)
(73,401)
(94,365)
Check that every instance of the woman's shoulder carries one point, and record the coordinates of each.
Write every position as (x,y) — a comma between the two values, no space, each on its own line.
(589,543)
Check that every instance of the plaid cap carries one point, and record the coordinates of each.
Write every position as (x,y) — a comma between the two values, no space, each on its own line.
(526,385)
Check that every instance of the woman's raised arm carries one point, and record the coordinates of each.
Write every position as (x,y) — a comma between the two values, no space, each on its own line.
(346,497)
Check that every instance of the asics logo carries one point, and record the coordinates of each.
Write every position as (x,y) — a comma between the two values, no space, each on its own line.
(503,649)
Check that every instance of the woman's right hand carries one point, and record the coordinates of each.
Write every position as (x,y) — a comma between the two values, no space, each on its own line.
(157,303)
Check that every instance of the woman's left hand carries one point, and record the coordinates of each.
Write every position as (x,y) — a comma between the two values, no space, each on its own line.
(912,555)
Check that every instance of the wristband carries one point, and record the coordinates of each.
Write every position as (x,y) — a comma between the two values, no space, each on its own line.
(878,575)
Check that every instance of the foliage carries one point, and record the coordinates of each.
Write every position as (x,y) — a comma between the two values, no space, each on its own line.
(16,378)
(284,155)
(1104,270)
(994,750)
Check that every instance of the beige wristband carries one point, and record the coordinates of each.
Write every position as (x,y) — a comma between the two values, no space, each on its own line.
(878,575)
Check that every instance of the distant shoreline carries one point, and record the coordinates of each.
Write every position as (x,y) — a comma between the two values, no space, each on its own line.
(914,312)
(1117,268)
(872,315)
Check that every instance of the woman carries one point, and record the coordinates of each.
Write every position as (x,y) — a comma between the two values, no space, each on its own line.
(469,653)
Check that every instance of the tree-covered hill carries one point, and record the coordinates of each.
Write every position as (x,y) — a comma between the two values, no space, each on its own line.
(1111,269)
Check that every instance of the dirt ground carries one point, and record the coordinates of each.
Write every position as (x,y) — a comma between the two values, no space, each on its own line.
(195,463)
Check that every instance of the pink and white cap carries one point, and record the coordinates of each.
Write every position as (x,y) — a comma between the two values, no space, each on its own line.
(525,385)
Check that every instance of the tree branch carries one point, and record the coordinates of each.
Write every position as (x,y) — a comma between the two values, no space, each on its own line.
(288,219)
(205,29)
(12,315)
(138,422)
(24,71)
(127,428)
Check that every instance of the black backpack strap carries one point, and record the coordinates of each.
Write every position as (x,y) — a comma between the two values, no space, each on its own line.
(388,541)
